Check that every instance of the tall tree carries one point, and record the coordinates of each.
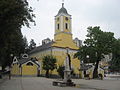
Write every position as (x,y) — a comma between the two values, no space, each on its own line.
(49,63)
(13,14)
(85,54)
(115,62)
(97,44)
(25,44)
(32,44)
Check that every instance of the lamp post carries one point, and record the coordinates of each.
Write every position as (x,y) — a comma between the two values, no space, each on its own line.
(87,59)
(11,55)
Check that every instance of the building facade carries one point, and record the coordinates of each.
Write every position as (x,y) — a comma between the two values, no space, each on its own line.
(25,66)
(88,69)
(62,41)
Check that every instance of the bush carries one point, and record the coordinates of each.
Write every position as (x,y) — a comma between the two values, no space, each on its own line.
(60,71)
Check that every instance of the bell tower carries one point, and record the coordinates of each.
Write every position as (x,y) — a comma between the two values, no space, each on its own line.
(63,28)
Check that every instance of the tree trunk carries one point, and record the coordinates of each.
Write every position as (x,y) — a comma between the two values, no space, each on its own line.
(95,72)
(47,74)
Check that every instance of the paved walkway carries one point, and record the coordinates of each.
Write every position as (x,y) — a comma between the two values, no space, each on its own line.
(39,83)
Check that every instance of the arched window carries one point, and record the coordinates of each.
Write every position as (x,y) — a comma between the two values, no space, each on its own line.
(58,26)
(66,25)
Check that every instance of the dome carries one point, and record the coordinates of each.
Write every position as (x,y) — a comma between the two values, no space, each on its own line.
(62,10)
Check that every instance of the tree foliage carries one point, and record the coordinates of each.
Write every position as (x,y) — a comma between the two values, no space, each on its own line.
(49,63)
(32,44)
(97,44)
(83,52)
(115,62)
(13,14)
(25,42)
(60,71)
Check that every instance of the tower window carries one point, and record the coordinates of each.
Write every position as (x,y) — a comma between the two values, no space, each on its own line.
(66,26)
(66,18)
(58,26)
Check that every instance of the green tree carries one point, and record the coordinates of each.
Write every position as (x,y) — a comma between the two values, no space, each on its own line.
(115,62)
(13,44)
(32,44)
(49,63)
(25,44)
(83,52)
(97,44)
(13,15)
(60,71)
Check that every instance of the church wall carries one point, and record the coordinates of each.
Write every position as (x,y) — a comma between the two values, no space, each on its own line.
(29,70)
(61,20)
(63,36)
(64,40)
(40,55)
(60,55)
(15,70)
(68,22)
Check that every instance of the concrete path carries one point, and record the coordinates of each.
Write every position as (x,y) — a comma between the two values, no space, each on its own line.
(40,83)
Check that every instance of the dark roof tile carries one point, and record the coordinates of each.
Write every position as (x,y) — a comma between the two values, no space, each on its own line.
(41,48)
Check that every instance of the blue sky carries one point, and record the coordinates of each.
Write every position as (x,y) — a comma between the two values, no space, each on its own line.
(85,13)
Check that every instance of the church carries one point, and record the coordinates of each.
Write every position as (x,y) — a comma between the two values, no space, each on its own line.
(62,42)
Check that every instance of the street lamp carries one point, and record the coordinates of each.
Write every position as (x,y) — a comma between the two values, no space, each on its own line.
(11,55)
(87,58)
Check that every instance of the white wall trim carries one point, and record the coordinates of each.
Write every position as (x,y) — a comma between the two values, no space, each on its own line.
(31,62)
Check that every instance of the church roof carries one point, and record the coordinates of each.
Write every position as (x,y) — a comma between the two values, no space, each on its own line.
(63,11)
(47,46)
(42,47)
(24,60)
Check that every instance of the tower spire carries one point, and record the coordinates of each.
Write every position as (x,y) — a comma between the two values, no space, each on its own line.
(62,3)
